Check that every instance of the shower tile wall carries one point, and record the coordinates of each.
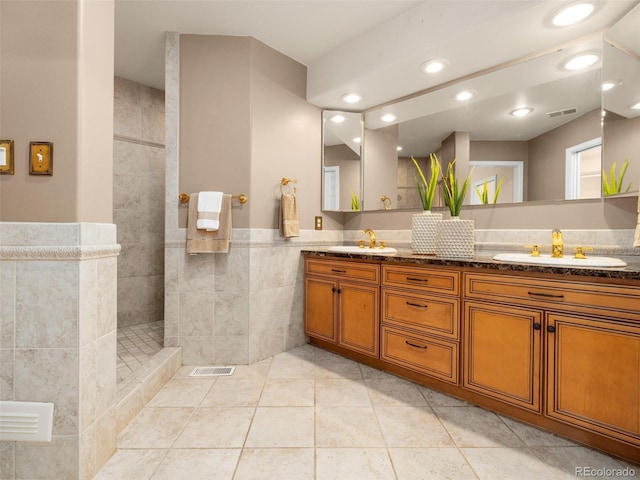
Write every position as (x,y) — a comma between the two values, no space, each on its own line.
(138,198)
(59,344)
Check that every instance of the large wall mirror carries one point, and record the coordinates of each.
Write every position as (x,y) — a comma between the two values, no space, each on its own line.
(621,105)
(341,161)
(554,151)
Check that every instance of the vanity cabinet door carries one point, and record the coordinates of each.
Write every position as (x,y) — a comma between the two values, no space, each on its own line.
(320,309)
(593,367)
(359,318)
(502,354)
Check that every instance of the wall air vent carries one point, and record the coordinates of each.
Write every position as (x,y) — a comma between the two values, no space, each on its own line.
(26,421)
(559,113)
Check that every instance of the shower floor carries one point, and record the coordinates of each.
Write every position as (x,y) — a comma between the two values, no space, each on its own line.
(136,344)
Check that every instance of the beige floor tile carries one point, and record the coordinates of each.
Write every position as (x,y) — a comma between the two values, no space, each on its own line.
(282,392)
(287,427)
(534,437)
(304,351)
(394,392)
(181,392)
(565,461)
(131,465)
(438,399)
(255,370)
(341,392)
(198,464)
(353,464)
(431,464)
(412,427)
(237,392)
(507,464)
(370,372)
(216,427)
(292,368)
(276,464)
(347,427)
(476,427)
(337,367)
(154,427)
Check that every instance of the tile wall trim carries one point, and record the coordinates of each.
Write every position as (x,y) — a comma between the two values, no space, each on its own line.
(59,252)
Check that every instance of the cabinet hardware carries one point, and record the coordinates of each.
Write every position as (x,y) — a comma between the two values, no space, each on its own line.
(551,328)
(414,279)
(537,326)
(339,291)
(423,347)
(548,295)
(335,270)
(333,289)
(417,305)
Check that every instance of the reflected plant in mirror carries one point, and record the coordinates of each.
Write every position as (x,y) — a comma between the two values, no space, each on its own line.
(613,185)
(427,190)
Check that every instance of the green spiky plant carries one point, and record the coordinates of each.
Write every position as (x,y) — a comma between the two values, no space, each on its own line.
(355,202)
(613,185)
(453,191)
(484,193)
(427,190)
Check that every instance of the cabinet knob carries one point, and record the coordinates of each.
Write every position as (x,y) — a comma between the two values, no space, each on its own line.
(551,328)
(537,326)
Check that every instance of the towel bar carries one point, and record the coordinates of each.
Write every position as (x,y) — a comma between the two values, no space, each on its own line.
(242,198)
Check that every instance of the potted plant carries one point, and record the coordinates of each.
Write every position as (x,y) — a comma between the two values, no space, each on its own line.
(424,225)
(455,236)
(613,185)
(483,194)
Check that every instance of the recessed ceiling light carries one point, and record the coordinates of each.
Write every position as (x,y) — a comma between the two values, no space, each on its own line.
(581,61)
(635,106)
(388,117)
(521,112)
(338,118)
(465,95)
(434,66)
(357,140)
(574,13)
(399,148)
(351,98)
(609,84)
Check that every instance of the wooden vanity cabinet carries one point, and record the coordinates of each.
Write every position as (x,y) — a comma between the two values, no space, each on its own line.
(502,355)
(342,304)
(420,320)
(593,374)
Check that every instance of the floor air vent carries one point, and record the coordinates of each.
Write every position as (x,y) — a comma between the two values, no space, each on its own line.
(212,371)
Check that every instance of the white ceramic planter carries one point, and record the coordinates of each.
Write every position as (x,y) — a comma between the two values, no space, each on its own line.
(455,238)
(423,232)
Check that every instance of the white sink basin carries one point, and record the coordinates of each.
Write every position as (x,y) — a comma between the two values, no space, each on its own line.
(566,261)
(363,251)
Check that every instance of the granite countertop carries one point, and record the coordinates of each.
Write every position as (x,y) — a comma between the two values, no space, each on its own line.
(484,259)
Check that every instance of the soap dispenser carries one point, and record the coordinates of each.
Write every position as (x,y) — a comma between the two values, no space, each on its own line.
(557,244)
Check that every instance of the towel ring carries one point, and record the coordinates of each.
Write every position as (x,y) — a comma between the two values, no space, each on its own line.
(285,181)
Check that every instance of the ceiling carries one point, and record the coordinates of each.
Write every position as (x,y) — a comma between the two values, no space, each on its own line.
(372,47)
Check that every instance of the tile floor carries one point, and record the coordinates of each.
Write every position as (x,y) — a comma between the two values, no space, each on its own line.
(136,344)
(309,414)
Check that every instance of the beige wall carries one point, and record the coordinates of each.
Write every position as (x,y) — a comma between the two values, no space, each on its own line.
(245,124)
(620,142)
(349,162)
(545,174)
(381,166)
(57,86)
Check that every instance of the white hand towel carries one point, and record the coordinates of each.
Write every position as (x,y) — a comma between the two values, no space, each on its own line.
(209,205)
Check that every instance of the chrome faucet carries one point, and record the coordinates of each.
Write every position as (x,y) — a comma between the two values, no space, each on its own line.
(557,244)
(372,237)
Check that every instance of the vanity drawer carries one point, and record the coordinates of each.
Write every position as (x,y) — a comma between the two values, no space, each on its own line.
(435,315)
(424,279)
(336,269)
(615,300)
(427,355)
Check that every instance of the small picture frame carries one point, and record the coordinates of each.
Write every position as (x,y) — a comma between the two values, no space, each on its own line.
(40,158)
(6,157)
